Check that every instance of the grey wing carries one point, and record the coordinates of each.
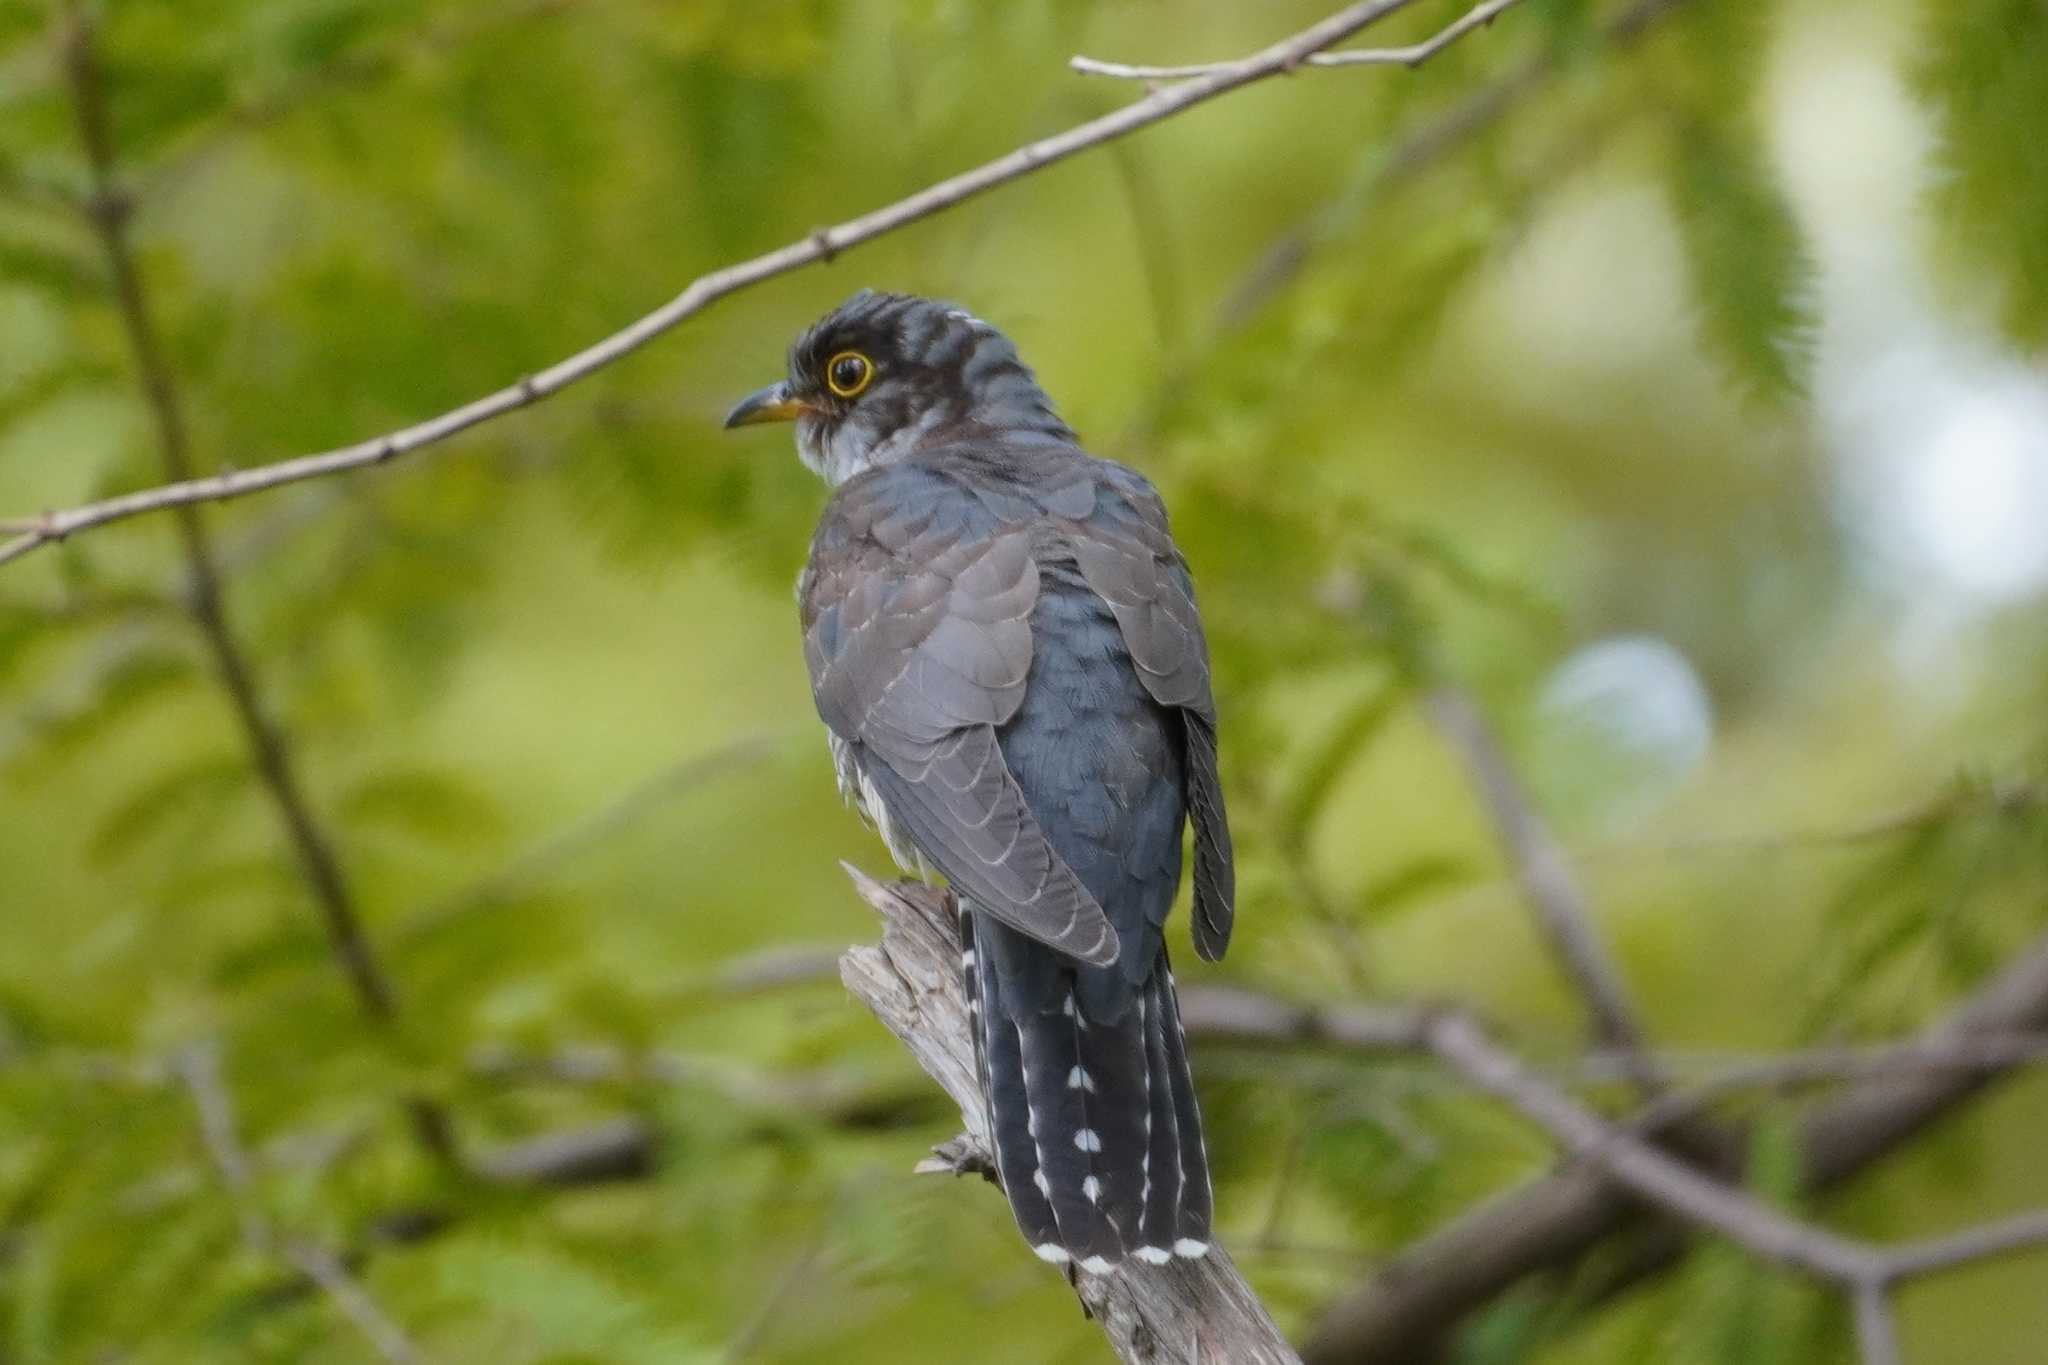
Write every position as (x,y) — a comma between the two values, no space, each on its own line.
(1127,557)
(917,627)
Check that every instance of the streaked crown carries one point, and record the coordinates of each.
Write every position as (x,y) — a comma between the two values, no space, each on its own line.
(885,374)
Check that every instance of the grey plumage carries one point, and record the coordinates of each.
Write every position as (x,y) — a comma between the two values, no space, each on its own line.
(1004,644)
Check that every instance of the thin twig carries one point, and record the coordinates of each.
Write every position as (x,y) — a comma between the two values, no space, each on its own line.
(821,245)
(1411,56)
(1866,1272)
(1545,874)
(320,1266)
(1663,1180)
(831,1096)
(1289,254)
(1988,1054)
(2022,1232)
(268,748)
(1877,1337)
(1550,1224)
(266,744)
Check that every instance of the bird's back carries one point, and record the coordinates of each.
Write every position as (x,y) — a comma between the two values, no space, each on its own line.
(1085,715)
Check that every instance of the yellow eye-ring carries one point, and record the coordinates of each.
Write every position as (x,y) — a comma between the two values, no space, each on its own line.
(847,373)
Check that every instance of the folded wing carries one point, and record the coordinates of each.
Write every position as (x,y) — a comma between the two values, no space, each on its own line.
(917,610)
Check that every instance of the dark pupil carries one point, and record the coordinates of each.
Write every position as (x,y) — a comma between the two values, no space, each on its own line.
(848,371)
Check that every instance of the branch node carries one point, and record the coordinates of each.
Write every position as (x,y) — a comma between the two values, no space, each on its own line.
(958,1156)
(822,243)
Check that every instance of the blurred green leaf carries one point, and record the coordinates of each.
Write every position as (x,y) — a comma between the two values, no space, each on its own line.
(562,1309)
(1980,71)
(437,805)
(187,793)
(1750,272)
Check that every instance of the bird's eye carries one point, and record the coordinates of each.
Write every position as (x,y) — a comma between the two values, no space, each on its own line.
(848,373)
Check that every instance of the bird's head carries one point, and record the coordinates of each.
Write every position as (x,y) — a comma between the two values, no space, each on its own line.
(885,374)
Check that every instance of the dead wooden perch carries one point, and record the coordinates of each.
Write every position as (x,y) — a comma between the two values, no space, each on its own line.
(1183,1313)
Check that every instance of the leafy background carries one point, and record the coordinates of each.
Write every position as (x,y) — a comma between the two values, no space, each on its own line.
(1690,414)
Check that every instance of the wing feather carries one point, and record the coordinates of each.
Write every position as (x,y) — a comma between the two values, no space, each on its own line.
(1128,558)
(917,608)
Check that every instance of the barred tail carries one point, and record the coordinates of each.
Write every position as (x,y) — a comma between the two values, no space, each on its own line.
(1092,1112)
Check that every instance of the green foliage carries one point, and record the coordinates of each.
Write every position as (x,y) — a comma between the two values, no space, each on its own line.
(185,796)
(551,1309)
(445,807)
(1749,266)
(1981,76)
(1750,271)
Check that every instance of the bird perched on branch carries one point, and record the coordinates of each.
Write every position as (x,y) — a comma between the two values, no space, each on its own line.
(1004,646)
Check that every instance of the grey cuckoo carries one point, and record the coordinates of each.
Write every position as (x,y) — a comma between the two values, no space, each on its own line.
(1004,646)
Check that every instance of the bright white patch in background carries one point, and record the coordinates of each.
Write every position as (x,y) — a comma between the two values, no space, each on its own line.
(1944,477)
(1626,719)
(1939,436)
(1975,501)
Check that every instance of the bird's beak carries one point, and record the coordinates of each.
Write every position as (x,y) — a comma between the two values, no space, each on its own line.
(772,404)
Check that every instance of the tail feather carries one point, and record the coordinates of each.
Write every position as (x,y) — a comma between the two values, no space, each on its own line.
(1069,1122)
(999,1066)
(1162,1137)
(1196,1202)
(1097,1137)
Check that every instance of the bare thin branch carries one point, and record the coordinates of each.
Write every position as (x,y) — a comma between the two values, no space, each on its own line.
(1195,1311)
(1661,1179)
(1545,874)
(1988,1054)
(2020,1233)
(269,751)
(320,1266)
(621,1149)
(266,743)
(1233,1014)
(1877,1337)
(834,1096)
(822,245)
(1551,1223)
(1411,56)
(1289,254)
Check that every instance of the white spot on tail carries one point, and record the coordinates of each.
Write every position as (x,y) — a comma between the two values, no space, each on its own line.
(1093,1189)
(1044,1185)
(1190,1248)
(1088,1140)
(1068,1008)
(1053,1252)
(967,958)
(1154,1255)
(1079,1079)
(1095,1265)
